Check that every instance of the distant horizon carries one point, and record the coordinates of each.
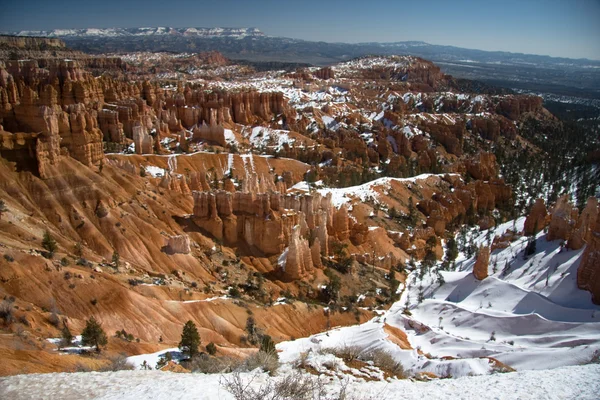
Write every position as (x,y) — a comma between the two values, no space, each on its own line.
(307,40)
(554,28)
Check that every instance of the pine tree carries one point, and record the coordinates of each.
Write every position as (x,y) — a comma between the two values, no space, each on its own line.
(190,339)
(267,345)
(93,334)
(115,259)
(66,335)
(49,244)
(251,329)
(412,212)
(451,249)
(394,283)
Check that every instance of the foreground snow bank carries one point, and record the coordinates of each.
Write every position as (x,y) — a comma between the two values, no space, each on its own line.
(580,382)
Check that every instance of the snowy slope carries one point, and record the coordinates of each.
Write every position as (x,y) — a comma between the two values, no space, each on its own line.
(564,383)
(530,316)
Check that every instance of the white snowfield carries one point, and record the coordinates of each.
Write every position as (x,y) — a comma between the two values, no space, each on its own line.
(529,316)
(576,382)
(366,192)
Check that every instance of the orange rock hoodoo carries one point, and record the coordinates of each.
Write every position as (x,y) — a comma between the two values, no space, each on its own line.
(68,108)
(270,222)
(480,269)
(576,231)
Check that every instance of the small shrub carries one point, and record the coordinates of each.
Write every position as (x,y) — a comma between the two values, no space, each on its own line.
(49,244)
(211,349)
(164,360)
(53,319)
(68,275)
(64,262)
(118,363)
(6,312)
(23,320)
(9,258)
(234,292)
(294,386)
(84,263)
(268,362)
(94,301)
(346,353)
(385,361)
(213,365)
(79,367)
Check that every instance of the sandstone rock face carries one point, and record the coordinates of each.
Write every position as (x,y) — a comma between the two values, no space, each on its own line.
(536,220)
(111,128)
(588,273)
(484,167)
(324,73)
(213,133)
(142,140)
(270,221)
(480,269)
(563,220)
(179,244)
(585,226)
(299,257)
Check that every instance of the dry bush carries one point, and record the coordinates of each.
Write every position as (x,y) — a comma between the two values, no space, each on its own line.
(79,367)
(118,363)
(291,387)
(268,362)
(6,312)
(294,386)
(385,361)
(346,353)
(213,365)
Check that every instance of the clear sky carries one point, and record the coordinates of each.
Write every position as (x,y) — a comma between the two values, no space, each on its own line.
(567,28)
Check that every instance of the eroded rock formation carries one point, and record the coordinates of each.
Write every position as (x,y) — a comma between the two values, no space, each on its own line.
(480,269)
(536,220)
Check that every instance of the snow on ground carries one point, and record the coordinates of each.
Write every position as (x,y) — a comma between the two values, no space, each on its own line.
(154,171)
(230,137)
(76,346)
(200,301)
(529,315)
(152,358)
(264,137)
(577,382)
(366,191)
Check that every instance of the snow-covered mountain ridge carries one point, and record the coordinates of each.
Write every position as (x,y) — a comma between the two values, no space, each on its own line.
(147,31)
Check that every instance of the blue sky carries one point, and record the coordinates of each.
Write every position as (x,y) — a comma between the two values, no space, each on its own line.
(549,27)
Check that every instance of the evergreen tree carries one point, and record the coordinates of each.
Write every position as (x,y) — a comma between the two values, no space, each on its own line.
(451,249)
(252,330)
(394,283)
(115,259)
(66,335)
(93,334)
(267,345)
(412,212)
(49,243)
(211,349)
(190,339)
(393,213)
